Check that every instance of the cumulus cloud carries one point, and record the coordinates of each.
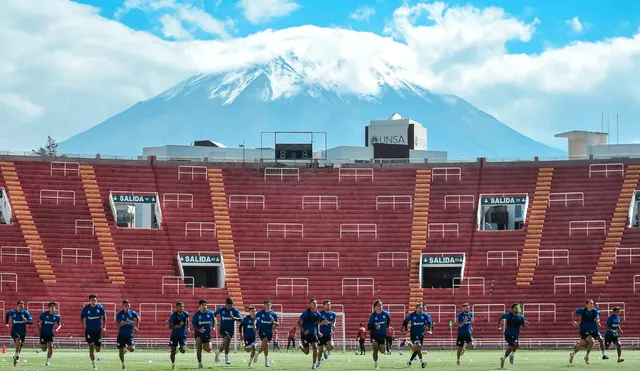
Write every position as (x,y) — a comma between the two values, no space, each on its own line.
(91,68)
(172,28)
(363,13)
(575,25)
(259,11)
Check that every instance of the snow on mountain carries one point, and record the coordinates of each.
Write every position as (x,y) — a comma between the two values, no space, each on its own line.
(292,94)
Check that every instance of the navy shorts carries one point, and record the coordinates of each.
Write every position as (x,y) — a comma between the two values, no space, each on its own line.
(324,340)
(610,338)
(595,334)
(93,337)
(267,335)
(225,333)
(125,341)
(512,340)
(177,341)
(203,338)
(249,342)
(415,339)
(380,339)
(464,339)
(46,339)
(308,339)
(18,335)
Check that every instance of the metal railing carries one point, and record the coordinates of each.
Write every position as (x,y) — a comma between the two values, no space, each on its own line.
(467,282)
(254,256)
(193,171)
(539,310)
(281,172)
(446,172)
(355,173)
(331,201)
(358,228)
(443,228)
(8,278)
(200,227)
(394,200)
(290,282)
(631,253)
(78,253)
(164,309)
(284,228)
(83,224)
(459,200)
(606,169)
(58,195)
(488,312)
(64,168)
(41,306)
(15,252)
(587,225)
(553,254)
(448,314)
(357,284)
(512,255)
(248,199)
(324,257)
(387,256)
(178,199)
(136,254)
(178,282)
(566,198)
(570,282)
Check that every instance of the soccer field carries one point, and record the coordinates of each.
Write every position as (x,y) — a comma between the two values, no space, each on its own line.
(436,360)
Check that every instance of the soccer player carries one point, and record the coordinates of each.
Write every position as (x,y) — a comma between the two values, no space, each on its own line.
(179,325)
(513,321)
(275,340)
(247,330)
(308,322)
(292,337)
(327,326)
(601,340)
(378,322)
(20,318)
(128,323)
(47,322)
(229,315)
(389,338)
(94,319)
(419,321)
(465,337)
(203,323)
(612,336)
(362,334)
(588,329)
(267,321)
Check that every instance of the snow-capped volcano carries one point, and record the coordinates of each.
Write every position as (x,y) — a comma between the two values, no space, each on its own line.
(292,94)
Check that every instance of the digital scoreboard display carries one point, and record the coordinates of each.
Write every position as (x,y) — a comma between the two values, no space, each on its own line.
(294,151)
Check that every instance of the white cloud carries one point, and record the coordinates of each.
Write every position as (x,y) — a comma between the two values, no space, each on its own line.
(363,13)
(575,25)
(172,28)
(259,11)
(91,68)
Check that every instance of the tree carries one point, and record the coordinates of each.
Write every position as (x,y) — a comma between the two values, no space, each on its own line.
(50,149)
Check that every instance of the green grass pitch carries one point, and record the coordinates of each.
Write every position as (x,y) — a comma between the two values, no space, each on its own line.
(436,360)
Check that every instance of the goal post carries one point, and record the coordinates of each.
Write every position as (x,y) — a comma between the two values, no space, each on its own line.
(286,321)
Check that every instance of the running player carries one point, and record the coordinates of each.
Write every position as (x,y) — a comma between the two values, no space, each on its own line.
(362,334)
(612,336)
(20,318)
(391,333)
(465,337)
(128,323)
(513,320)
(46,323)
(267,321)
(247,330)
(378,322)
(327,326)
(203,324)
(179,325)
(229,315)
(588,329)
(419,321)
(308,322)
(601,340)
(292,337)
(275,340)
(94,319)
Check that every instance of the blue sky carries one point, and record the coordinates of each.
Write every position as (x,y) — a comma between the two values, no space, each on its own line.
(540,67)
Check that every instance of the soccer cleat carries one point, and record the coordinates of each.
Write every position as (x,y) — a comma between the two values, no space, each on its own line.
(586,359)
(227,362)
(620,360)
(124,367)
(511,358)
(570,357)
(424,364)
(502,359)
(267,364)
(255,359)
(173,367)
(409,363)
(326,355)
(458,362)
(47,363)
(200,365)
(15,361)
(605,357)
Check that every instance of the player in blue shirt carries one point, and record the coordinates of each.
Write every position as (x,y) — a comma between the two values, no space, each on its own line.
(94,319)
(601,339)
(203,324)
(465,337)
(247,330)
(229,315)
(179,326)
(419,321)
(267,321)
(612,336)
(513,321)
(308,323)
(589,323)
(378,322)
(128,323)
(327,326)
(47,321)
(20,318)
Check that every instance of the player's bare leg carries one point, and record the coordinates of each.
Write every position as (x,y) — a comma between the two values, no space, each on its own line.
(199,352)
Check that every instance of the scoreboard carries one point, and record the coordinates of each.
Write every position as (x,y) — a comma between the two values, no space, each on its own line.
(294,151)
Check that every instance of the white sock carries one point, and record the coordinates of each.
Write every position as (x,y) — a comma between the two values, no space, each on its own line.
(173,363)
(421,360)
(266,359)
(94,362)
(375,363)
(48,359)
(603,352)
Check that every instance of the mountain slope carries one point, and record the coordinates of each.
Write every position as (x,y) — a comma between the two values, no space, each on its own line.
(291,95)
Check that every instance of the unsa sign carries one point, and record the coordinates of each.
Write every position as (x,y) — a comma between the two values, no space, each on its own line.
(503,200)
(134,199)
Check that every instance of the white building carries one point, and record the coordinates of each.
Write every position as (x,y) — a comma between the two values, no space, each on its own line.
(587,143)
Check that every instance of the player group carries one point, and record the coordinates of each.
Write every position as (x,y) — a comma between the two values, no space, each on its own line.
(256,330)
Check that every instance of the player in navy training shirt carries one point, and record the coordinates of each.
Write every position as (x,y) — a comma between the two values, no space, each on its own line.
(179,326)
(378,322)
(47,321)
(202,322)
(419,321)
(588,328)
(229,315)
(20,318)
(128,323)
(327,326)
(465,337)
(247,330)
(513,321)
(600,339)
(612,336)
(267,321)
(94,319)
(308,323)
